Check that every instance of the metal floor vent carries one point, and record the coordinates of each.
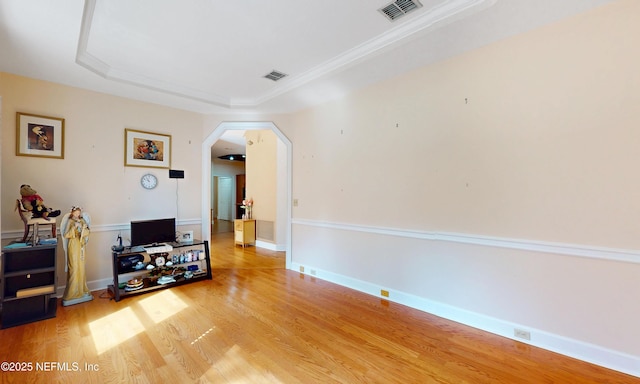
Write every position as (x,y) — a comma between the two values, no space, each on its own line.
(399,8)
(275,75)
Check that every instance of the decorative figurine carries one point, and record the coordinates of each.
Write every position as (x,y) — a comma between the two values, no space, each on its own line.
(74,240)
(34,203)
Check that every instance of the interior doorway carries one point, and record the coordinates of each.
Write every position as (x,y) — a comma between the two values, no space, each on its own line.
(222,199)
(284,193)
(222,205)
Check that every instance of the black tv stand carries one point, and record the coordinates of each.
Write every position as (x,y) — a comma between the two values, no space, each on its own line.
(150,283)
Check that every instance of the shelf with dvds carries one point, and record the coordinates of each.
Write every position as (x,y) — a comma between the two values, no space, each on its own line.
(136,271)
(28,284)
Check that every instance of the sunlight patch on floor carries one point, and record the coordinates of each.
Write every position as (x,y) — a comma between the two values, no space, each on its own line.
(161,306)
(236,369)
(113,329)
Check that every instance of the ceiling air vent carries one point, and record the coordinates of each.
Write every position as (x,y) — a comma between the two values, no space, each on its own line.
(275,75)
(399,8)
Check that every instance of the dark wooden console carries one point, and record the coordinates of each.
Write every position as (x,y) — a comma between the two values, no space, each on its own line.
(123,271)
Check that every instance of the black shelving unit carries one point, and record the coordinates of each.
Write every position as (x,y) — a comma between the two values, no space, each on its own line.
(28,284)
(150,283)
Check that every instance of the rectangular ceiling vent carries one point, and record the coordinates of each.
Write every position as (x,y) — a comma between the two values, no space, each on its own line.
(399,8)
(275,75)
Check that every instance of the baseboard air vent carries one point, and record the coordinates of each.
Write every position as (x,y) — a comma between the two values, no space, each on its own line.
(399,8)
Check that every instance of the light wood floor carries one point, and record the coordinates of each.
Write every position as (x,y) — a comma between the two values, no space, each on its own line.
(256,322)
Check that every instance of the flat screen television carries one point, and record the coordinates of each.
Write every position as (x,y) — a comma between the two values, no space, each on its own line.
(145,232)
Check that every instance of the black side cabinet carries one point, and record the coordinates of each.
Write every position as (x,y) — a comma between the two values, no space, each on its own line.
(28,284)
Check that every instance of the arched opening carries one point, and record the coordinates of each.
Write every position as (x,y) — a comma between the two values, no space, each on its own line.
(206,176)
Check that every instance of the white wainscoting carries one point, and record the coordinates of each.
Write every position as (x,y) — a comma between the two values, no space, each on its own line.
(595,354)
(631,256)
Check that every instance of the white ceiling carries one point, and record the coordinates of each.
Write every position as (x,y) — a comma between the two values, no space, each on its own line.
(232,142)
(210,56)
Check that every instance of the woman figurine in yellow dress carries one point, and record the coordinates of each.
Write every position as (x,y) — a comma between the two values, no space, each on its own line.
(74,239)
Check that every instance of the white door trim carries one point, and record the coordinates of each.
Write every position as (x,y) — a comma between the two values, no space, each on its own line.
(206,173)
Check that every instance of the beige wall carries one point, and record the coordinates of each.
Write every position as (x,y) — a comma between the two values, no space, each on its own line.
(533,137)
(261,167)
(262,182)
(497,188)
(92,173)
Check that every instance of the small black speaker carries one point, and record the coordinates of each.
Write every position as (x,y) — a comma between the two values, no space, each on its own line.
(175,174)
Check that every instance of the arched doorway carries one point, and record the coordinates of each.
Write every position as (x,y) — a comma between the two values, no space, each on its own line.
(206,175)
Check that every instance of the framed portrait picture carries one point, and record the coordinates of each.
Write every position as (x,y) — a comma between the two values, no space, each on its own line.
(146,149)
(40,136)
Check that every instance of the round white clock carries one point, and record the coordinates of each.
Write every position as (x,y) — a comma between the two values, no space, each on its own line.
(149,181)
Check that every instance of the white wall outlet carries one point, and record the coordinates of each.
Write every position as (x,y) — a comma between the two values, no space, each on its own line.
(522,334)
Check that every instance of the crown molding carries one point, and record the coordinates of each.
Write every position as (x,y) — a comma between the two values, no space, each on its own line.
(423,22)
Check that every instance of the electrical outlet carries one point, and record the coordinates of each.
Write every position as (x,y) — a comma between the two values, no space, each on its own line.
(301,269)
(384,293)
(313,272)
(522,334)
(295,202)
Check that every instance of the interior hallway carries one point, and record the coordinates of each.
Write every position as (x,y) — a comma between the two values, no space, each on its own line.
(226,255)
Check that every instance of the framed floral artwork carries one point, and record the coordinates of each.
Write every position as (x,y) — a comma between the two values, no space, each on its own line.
(39,136)
(146,149)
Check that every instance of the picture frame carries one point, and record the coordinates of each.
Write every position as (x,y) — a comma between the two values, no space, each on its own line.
(39,136)
(186,237)
(146,149)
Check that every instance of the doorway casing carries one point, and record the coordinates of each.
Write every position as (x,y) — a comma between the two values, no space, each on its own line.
(206,174)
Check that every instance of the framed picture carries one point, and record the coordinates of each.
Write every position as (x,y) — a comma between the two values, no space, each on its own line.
(39,136)
(186,237)
(146,149)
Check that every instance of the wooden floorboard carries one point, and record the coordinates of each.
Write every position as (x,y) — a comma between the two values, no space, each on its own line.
(256,322)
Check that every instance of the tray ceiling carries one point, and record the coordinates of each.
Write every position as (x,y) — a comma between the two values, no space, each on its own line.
(212,56)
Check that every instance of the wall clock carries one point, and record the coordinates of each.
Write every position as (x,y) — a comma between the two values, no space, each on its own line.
(149,181)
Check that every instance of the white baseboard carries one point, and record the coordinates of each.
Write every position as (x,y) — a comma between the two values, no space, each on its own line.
(270,246)
(98,285)
(95,285)
(594,354)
